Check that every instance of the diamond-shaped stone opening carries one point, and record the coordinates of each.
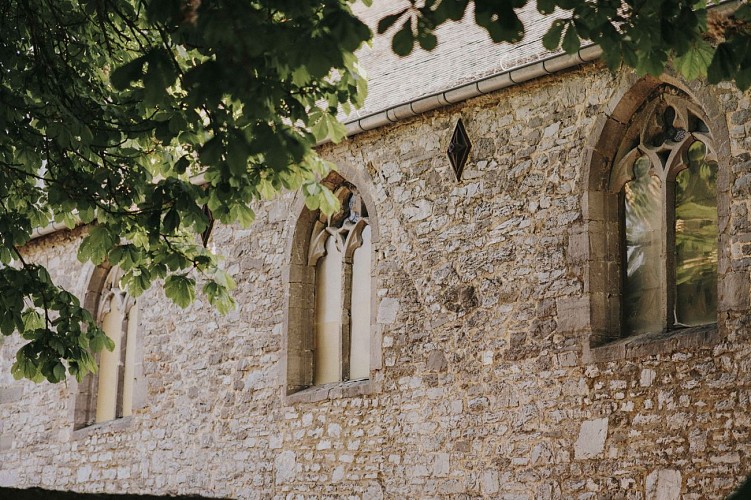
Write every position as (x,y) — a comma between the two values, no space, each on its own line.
(458,150)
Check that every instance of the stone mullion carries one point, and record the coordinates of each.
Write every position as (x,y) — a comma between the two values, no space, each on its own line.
(121,369)
(346,330)
(668,284)
(129,356)
(623,264)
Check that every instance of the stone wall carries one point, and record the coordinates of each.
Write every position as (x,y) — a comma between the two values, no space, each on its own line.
(487,384)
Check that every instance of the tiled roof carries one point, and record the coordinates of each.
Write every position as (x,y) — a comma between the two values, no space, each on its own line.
(465,53)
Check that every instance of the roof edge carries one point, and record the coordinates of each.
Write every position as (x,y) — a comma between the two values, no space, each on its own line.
(481,86)
(475,88)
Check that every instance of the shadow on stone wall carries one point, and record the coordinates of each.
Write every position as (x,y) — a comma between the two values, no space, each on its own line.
(743,492)
(40,494)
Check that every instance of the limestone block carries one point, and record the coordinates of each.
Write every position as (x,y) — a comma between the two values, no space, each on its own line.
(374,491)
(437,361)
(647,377)
(663,484)
(591,442)
(338,474)
(441,465)
(10,394)
(734,291)
(489,482)
(573,314)
(83,474)
(285,465)
(387,311)
(418,210)
(8,478)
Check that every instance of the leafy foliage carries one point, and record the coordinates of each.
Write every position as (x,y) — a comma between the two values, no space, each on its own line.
(110,109)
(642,34)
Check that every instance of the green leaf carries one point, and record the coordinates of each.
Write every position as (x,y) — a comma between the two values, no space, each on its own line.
(427,41)
(32,320)
(388,21)
(237,155)
(743,79)
(266,189)
(128,73)
(652,63)
(723,64)
(100,341)
(211,151)
(218,297)
(694,63)
(243,214)
(743,13)
(171,220)
(180,289)
(222,278)
(58,372)
(570,43)
(546,7)
(96,245)
(403,41)
(552,39)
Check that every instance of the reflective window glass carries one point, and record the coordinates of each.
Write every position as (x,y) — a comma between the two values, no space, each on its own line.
(643,262)
(696,240)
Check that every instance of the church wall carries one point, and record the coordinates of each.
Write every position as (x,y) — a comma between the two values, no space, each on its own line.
(487,385)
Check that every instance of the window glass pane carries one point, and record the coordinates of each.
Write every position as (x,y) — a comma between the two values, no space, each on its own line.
(696,240)
(643,262)
(359,357)
(109,361)
(130,360)
(328,323)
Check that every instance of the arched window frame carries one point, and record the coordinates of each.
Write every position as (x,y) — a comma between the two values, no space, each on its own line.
(662,132)
(120,371)
(307,247)
(595,244)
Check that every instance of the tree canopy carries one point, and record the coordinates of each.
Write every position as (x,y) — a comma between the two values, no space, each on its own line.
(147,119)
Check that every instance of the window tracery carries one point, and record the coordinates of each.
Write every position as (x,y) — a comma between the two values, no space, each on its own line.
(340,253)
(109,393)
(665,175)
(329,321)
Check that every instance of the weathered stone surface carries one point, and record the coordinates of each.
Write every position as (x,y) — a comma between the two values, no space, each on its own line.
(8,477)
(285,466)
(437,361)
(503,399)
(460,298)
(387,311)
(10,394)
(663,484)
(591,441)
(647,377)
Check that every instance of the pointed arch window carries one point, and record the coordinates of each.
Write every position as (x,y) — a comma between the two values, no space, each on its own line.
(340,253)
(329,330)
(665,176)
(109,393)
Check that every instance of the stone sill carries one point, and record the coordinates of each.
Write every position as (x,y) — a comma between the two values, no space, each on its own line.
(333,390)
(651,344)
(116,425)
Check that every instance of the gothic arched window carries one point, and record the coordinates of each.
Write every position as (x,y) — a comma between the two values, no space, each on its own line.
(329,329)
(665,175)
(108,394)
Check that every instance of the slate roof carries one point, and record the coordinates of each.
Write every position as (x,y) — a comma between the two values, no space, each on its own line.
(465,53)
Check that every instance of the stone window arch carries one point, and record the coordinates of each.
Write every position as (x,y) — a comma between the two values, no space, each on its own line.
(655,259)
(329,326)
(109,393)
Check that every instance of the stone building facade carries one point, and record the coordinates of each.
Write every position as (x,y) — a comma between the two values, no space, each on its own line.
(497,364)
